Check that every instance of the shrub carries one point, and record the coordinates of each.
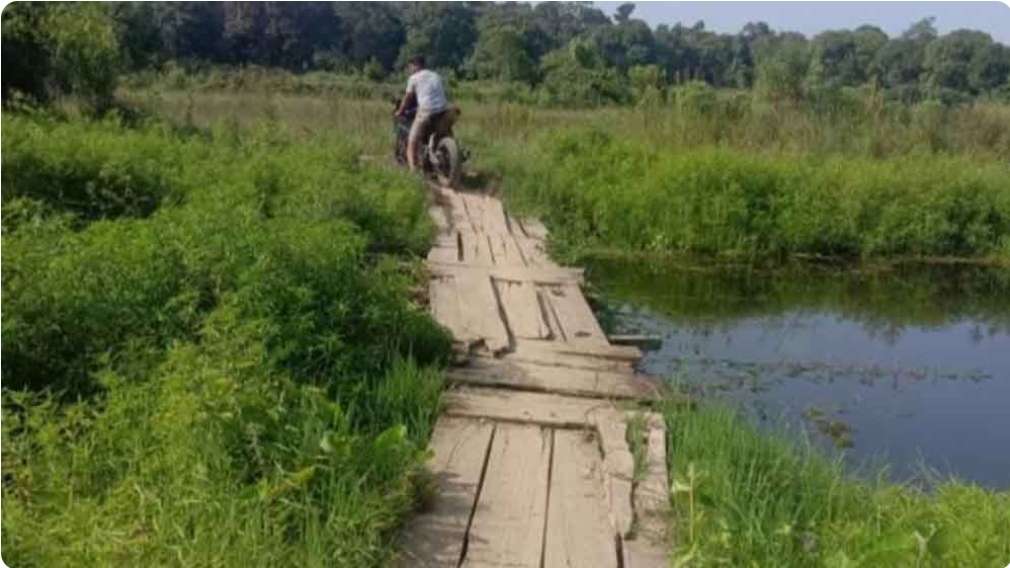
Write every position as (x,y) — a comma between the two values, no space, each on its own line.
(239,373)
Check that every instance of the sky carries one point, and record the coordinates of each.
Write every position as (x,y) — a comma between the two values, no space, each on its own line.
(810,18)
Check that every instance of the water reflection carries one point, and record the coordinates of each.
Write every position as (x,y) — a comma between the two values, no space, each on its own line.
(911,365)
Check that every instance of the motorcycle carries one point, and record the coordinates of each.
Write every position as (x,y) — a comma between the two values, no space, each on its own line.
(440,156)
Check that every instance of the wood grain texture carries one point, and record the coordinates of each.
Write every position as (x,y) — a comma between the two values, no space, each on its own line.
(579,532)
(436,537)
(508,523)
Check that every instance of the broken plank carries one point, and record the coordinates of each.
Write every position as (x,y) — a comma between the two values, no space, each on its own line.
(511,512)
(579,532)
(436,536)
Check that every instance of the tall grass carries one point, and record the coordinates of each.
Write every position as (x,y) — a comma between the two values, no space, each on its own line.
(597,189)
(234,371)
(743,498)
(853,123)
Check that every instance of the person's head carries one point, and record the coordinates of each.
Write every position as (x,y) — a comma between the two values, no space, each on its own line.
(415,64)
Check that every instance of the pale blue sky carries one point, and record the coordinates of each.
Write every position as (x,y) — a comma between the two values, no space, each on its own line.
(810,18)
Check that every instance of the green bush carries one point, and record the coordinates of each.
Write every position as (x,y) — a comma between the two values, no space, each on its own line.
(598,190)
(238,373)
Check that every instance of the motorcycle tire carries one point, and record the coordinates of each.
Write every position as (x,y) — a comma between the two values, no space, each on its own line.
(449,162)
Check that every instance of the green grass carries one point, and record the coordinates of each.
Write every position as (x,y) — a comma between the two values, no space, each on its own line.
(232,371)
(595,189)
(744,498)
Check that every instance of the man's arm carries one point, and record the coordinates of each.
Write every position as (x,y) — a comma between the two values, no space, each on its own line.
(404,102)
(407,97)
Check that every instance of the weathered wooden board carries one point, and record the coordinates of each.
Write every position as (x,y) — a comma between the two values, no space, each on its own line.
(576,317)
(651,500)
(476,250)
(509,520)
(436,536)
(522,309)
(523,407)
(555,275)
(554,379)
(534,252)
(579,532)
(533,228)
(439,217)
(479,311)
(494,216)
(445,307)
(619,469)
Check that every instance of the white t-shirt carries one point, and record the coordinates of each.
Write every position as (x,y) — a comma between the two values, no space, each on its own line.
(427,87)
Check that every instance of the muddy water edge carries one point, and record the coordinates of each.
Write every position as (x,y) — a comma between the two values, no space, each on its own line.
(905,367)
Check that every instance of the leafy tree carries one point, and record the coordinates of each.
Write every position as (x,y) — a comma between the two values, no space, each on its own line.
(445,33)
(61,49)
(949,60)
(578,74)
(190,30)
(284,34)
(370,30)
(502,53)
(782,67)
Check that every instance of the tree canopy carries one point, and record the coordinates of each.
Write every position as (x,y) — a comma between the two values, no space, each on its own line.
(544,44)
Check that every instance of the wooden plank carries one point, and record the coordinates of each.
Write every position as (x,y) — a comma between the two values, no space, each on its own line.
(524,407)
(577,319)
(436,537)
(641,341)
(533,228)
(624,353)
(522,309)
(559,380)
(476,251)
(619,469)
(457,210)
(534,252)
(579,532)
(443,254)
(445,307)
(649,546)
(479,310)
(494,216)
(439,217)
(556,275)
(473,205)
(506,251)
(510,517)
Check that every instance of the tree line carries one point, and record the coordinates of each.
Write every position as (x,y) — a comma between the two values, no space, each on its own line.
(570,49)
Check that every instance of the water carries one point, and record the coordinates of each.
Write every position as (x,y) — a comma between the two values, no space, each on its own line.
(909,367)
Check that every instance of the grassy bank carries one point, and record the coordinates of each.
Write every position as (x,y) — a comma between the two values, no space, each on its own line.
(743,498)
(595,189)
(210,351)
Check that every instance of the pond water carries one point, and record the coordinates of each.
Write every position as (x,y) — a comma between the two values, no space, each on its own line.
(904,367)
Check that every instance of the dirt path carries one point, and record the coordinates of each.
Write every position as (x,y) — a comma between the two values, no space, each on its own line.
(531,455)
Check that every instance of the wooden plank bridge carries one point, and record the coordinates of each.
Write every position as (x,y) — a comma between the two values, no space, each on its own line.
(531,455)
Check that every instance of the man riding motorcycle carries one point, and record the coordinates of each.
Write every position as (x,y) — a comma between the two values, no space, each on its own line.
(424,87)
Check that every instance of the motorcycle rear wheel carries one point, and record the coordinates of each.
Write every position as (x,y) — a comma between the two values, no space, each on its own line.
(449,162)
